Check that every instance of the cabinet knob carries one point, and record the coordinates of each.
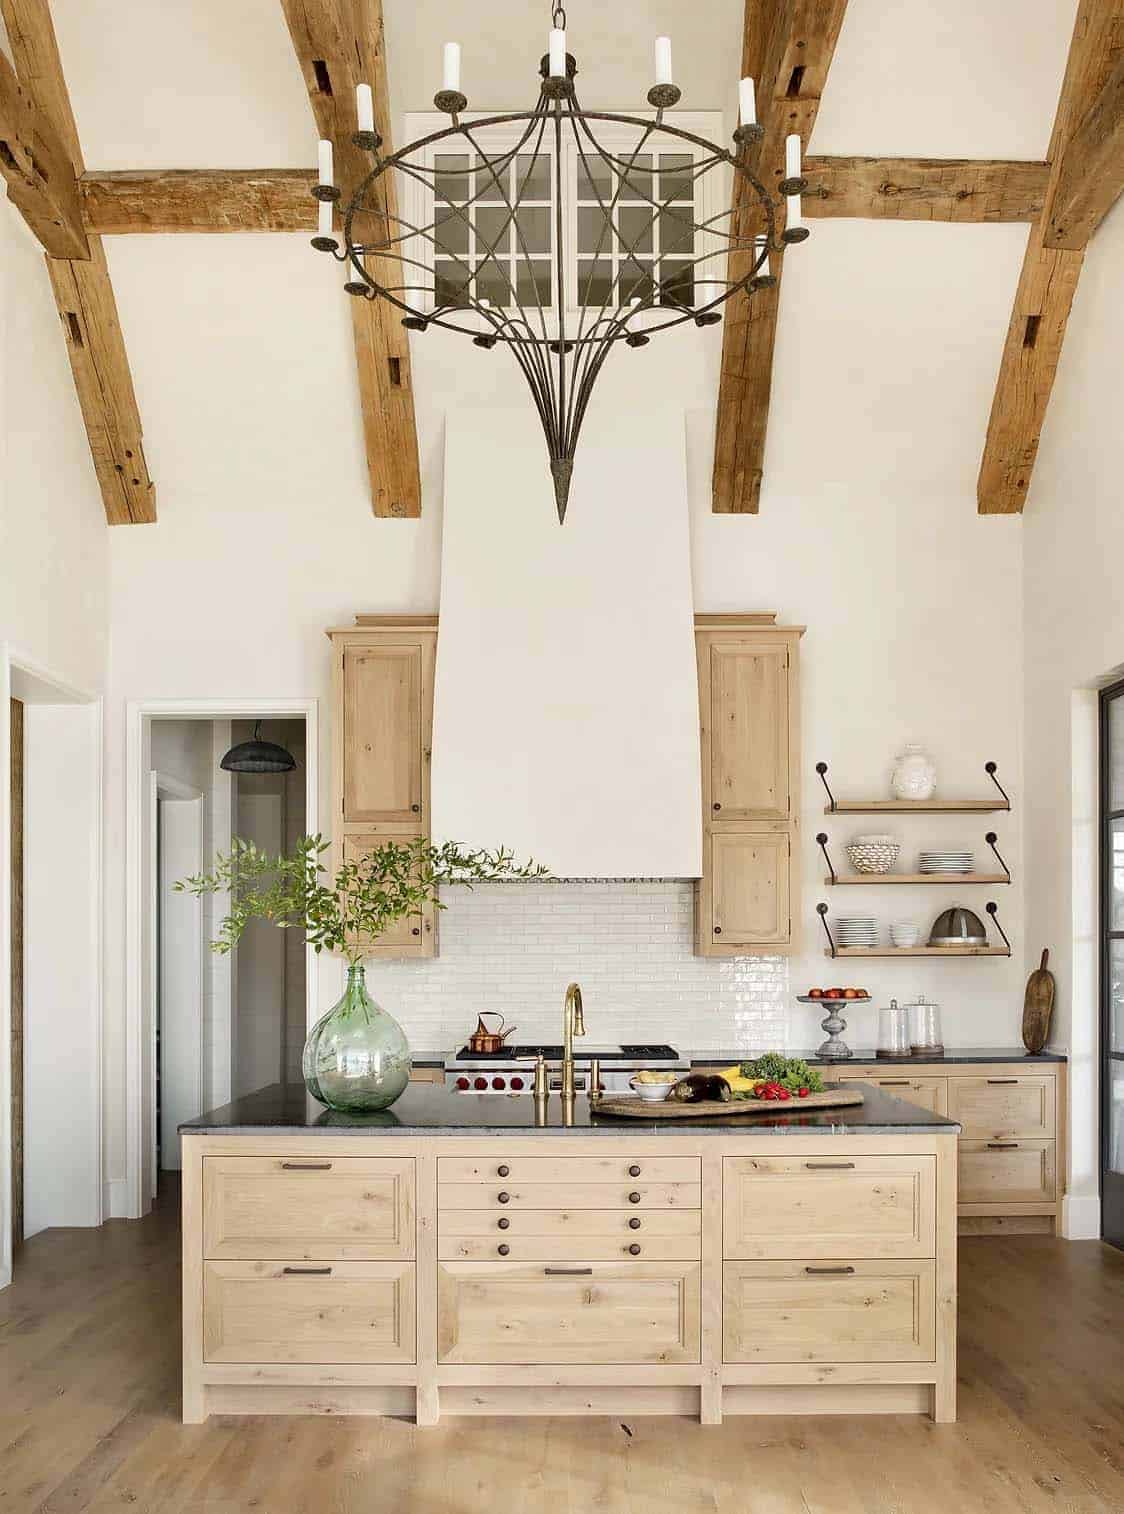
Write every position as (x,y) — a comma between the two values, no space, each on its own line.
(415,809)
(504,1198)
(634,1198)
(634,1249)
(717,930)
(634,1222)
(634,1171)
(503,1250)
(503,1222)
(716,806)
(503,1171)
(415,931)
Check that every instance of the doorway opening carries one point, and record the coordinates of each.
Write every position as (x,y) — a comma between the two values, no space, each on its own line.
(1112,964)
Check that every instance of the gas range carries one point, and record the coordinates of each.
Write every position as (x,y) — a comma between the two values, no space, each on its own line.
(512,1070)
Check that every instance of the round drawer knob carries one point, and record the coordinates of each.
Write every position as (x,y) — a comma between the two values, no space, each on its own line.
(634,1222)
(634,1198)
(415,809)
(503,1250)
(415,930)
(634,1249)
(634,1171)
(503,1223)
(503,1197)
(716,806)
(504,1171)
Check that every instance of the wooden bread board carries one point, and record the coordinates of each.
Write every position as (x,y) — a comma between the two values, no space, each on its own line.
(675,1109)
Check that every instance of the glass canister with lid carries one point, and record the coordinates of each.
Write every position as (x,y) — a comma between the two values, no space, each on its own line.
(925,1028)
(893,1032)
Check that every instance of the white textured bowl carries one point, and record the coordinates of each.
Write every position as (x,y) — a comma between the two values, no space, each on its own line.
(873,857)
(651,1093)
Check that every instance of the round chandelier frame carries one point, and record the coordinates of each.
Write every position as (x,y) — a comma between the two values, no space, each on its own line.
(561,351)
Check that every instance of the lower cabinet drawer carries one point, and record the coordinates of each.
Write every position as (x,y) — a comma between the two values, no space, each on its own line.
(860,1311)
(999,1108)
(1007,1172)
(539,1235)
(297,1312)
(926,1093)
(505,1194)
(611,1169)
(568,1313)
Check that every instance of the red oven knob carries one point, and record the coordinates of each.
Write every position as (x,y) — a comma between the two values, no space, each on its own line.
(517,1083)
(462,1083)
(499,1083)
(480,1083)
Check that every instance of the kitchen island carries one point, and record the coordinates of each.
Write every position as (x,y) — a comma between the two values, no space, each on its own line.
(452,1256)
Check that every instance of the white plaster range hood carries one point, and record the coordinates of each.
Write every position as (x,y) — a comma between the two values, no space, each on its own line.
(566,709)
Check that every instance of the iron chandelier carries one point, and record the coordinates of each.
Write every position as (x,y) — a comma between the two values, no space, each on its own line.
(500,294)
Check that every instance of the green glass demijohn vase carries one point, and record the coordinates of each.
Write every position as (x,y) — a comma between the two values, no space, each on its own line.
(356,1057)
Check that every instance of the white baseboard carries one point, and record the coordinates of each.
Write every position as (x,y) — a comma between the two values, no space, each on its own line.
(116,1199)
(1081,1217)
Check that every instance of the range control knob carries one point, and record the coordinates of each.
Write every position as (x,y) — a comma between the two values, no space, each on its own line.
(499,1082)
(517,1083)
(480,1083)
(463,1083)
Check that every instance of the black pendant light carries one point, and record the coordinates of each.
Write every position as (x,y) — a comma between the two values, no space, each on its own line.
(258,756)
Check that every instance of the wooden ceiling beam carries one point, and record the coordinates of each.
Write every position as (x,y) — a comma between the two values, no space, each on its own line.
(924,189)
(83,291)
(787,47)
(339,44)
(1048,279)
(199,200)
(1091,173)
(42,184)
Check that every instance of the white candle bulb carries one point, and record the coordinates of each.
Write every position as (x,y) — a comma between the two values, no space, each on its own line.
(795,216)
(365,107)
(792,156)
(324,219)
(557,53)
(451,71)
(663,60)
(324,158)
(747,103)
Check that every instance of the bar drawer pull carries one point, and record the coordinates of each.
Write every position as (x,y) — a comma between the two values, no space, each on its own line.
(894,1083)
(829,1166)
(306,1272)
(1002,1080)
(568,1271)
(1002,1145)
(828,1271)
(306,1166)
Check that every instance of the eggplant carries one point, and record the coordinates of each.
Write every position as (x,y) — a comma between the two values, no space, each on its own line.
(700,1088)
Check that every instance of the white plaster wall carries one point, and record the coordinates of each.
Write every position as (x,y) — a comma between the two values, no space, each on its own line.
(1074,631)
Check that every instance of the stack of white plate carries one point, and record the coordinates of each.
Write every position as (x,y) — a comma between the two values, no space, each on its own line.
(856,930)
(946,862)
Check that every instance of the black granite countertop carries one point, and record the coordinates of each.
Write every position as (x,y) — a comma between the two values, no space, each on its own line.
(431,1109)
(968,1055)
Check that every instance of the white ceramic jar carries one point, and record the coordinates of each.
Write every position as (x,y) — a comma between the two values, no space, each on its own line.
(914,775)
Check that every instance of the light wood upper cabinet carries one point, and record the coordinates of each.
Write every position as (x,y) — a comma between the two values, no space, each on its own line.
(749,706)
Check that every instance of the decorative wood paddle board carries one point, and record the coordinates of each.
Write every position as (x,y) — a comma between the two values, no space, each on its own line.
(1038,1006)
(675,1109)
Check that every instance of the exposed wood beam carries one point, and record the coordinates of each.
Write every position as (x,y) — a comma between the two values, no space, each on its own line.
(340,44)
(1048,279)
(199,200)
(925,189)
(41,181)
(787,46)
(1091,172)
(83,292)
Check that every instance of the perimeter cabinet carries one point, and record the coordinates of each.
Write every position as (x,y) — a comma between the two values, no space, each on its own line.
(382,709)
(749,728)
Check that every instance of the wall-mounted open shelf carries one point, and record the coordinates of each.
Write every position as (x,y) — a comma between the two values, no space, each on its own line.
(916,806)
(832,950)
(835,878)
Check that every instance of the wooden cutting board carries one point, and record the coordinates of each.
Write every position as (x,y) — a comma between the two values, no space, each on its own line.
(674,1109)
(1038,1006)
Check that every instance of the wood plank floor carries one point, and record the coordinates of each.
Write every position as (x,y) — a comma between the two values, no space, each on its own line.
(89,1406)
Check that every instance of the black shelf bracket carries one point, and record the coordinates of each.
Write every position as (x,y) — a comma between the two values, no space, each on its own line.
(821,840)
(993,911)
(991,838)
(990,770)
(821,769)
(821,910)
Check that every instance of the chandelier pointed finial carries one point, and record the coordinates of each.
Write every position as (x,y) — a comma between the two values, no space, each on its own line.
(560,233)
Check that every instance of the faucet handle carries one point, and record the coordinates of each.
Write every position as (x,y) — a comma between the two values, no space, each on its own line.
(541,1090)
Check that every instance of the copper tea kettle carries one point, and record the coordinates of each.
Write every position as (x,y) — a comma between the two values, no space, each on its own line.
(484,1042)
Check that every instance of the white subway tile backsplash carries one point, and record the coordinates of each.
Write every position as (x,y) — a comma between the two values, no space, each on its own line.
(514,947)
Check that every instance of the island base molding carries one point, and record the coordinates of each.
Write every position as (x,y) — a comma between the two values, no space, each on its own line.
(695,1274)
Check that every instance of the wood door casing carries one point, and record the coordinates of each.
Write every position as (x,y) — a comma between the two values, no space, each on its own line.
(16,750)
(749,888)
(748,776)
(383,734)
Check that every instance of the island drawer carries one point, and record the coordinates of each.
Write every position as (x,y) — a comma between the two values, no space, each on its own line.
(609,1169)
(1007,1172)
(503,1194)
(308,1208)
(568,1312)
(990,1108)
(854,1206)
(540,1235)
(267,1312)
(857,1311)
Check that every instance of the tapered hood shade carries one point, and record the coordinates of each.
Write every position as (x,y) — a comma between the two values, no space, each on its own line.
(258,756)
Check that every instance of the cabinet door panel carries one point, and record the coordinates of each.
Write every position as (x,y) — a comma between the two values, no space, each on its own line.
(599,1312)
(749,732)
(410,936)
(749,872)
(383,726)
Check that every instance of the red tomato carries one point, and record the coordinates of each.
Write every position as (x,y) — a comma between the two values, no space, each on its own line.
(783,1093)
(804,1093)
